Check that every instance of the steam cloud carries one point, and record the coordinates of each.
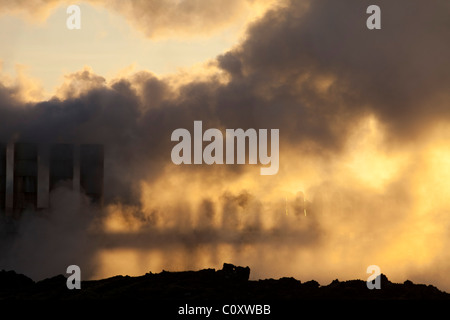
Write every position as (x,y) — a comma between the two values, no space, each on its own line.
(159,18)
(363,119)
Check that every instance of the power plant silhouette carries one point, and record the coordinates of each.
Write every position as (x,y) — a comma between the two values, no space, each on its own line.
(30,174)
(62,161)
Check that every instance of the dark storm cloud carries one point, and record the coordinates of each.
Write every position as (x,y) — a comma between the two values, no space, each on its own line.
(394,72)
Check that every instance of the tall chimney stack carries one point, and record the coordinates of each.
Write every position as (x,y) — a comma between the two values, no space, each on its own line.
(61,166)
(91,171)
(2,178)
(25,177)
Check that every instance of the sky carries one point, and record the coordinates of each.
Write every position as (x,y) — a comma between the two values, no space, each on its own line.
(363,116)
(44,48)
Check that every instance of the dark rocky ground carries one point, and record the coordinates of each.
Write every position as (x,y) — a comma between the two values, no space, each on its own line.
(230,283)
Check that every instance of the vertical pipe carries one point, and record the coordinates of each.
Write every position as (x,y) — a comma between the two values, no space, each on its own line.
(91,172)
(2,178)
(61,166)
(25,177)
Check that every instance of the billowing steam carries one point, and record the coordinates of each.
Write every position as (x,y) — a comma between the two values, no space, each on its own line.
(364,128)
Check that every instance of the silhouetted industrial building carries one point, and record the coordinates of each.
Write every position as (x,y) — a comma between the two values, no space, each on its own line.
(25,177)
(61,166)
(91,171)
(61,173)
(2,177)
